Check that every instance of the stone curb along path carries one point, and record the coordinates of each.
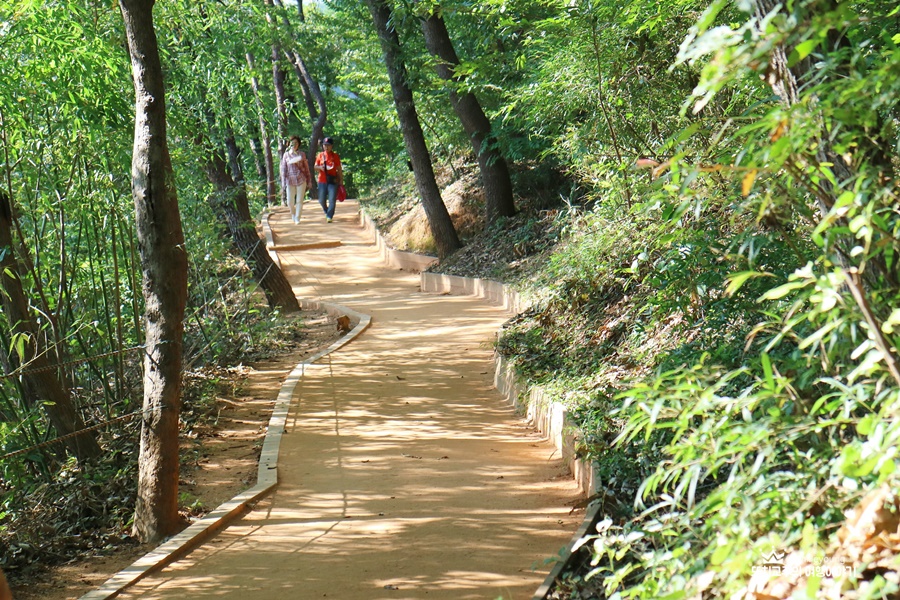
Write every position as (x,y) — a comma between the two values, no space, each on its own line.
(205,528)
(267,472)
(549,417)
(266,480)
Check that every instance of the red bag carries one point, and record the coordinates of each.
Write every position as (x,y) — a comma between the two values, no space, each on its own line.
(341,193)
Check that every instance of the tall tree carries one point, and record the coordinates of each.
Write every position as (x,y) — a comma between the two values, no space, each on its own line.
(38,359)
(164,267)
(442,228)
(271,192)
(230,201)
(278,78)
(318,113)
(498,190)
(319,116)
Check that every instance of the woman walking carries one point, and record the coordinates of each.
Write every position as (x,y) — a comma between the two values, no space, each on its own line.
(295,179)
(331,175)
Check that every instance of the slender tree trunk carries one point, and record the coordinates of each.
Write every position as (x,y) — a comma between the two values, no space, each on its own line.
(317,117)
(278,84)
(311,91)
(293,58)
(308,100)
(438,218)
(271,191)
(258,160)
(280,99)
(234,163)
(41,383)
(498,190)
(230,201)
(164,266)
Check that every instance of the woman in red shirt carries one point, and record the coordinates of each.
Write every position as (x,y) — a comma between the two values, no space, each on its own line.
(330,176)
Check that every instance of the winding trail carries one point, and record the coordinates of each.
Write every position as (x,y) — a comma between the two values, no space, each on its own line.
(402,474)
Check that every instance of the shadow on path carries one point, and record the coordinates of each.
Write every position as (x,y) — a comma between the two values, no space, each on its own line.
(402,474)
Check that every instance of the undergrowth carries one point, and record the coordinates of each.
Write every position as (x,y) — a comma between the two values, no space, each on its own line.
(53,513)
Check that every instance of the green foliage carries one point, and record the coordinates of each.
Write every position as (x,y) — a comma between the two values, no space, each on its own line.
(723,325)
(66,135)
(750,299)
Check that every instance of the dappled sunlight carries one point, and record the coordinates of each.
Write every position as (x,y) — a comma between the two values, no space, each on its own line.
(402,472)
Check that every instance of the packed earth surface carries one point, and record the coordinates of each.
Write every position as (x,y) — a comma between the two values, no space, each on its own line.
(221,458)
(401,459)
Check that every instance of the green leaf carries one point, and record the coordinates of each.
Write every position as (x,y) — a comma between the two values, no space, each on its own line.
(737,280)
(801,51)
(783,290)
(767,370)
(721,554)
(866,425)
(821,333)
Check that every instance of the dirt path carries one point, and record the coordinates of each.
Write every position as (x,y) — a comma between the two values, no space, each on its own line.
(402,473)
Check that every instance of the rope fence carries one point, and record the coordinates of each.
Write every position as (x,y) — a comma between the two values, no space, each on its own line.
(25,370)
(69,436)
(76,361)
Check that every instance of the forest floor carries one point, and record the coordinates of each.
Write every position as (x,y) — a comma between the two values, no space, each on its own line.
(219,459)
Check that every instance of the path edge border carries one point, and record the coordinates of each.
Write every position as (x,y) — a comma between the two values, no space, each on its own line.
(549,417)
(205,528)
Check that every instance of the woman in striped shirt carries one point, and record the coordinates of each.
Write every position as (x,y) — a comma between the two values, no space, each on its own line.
(295,177)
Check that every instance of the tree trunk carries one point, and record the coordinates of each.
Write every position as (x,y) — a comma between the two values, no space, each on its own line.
(5,593)
(304,86)
(438,218)
(164,266)
(311,109)
(258,160)
(41,383)
(271,191)
(234,163)
(311,91)
(280,99)
(278,84)
(498,192)
(281,110)
(230,201)
(317,117)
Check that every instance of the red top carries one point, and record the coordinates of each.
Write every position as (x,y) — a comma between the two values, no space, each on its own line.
(332,163)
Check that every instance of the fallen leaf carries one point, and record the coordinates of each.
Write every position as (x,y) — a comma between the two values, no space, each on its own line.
(747,182)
